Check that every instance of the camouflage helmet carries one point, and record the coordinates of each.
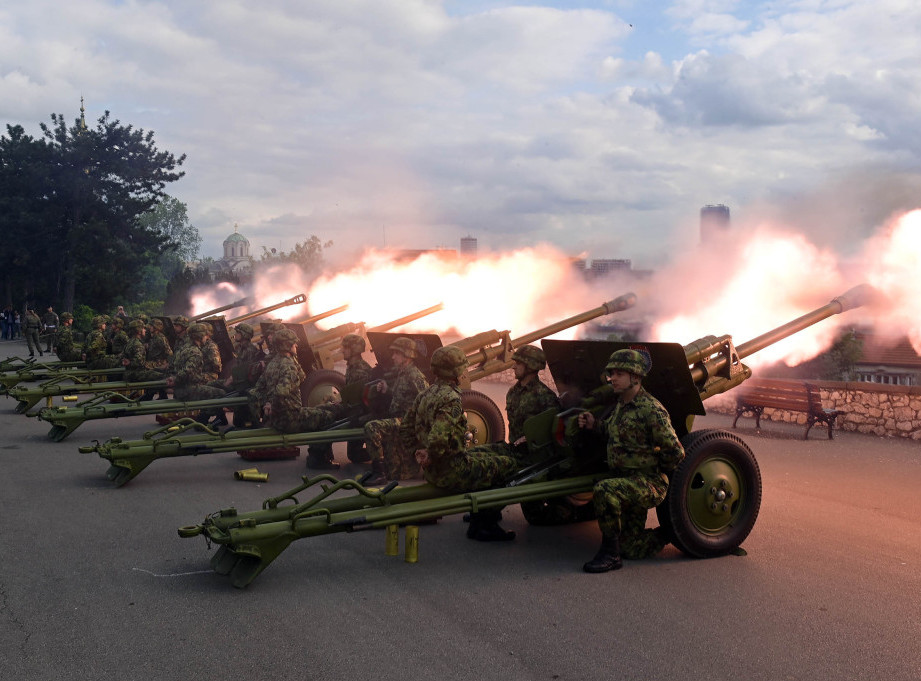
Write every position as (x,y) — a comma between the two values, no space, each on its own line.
(98,321)
(632,361)
(244,330)
(118,321)
(404,346)
(532,357)
(354,342)
(156,324)
(136,326)
(449,362)
(284,339)
(144,317)
(66,317)
(181,321)
(198,330)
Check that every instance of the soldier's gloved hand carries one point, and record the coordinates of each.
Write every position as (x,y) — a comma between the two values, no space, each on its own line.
(520,441)
(586,420)
(267,409)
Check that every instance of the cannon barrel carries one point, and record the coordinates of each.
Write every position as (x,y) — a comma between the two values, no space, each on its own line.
(490,359)
(296,300)
(714,355)
(326,343)
(211,313)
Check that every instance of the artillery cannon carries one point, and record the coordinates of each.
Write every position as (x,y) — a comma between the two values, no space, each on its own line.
(108,403)
(223,308)
(713,500)
(484,419)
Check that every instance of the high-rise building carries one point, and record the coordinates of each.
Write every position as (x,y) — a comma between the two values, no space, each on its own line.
(714,223)
(603,266)
(468,247)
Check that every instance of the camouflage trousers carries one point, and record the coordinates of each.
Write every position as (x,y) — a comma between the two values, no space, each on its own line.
(384,444)
(622,504)
(103,362)
(477,468)
(143,375)
(193,393)
(306,420)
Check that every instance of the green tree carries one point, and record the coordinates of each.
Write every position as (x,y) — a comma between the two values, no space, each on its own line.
(105,178)
(170,218)
(307,255)
(26,216)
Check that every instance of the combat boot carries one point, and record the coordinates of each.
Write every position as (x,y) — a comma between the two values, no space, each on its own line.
(379,474)
(607,558)
(321,458)
(484,526)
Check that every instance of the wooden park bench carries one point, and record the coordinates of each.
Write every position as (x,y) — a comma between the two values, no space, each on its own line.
(756,395)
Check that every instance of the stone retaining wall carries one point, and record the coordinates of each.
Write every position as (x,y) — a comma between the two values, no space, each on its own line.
(885,410)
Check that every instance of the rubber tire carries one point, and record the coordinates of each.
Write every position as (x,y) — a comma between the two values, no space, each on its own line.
(320,386)
(712,455)
(483,415)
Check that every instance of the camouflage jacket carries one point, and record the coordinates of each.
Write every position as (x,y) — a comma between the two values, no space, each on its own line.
(212,359)
(404,385)
(190,367)
(436,422)
(279,386)
(118,342)
(135,353)
(248,353)
(358,371)
(524,401)
(65,347)
(94,347)
(159,353)
(639,434)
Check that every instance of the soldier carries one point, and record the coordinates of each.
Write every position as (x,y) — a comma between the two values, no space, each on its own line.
(642,448)
(357,370)
(33,327)
(134,357)
(190,382)
(118,339)
(435,430)
(65,348)
(276,397)
(180,329)
(393,397)
(50,322)
(159,353)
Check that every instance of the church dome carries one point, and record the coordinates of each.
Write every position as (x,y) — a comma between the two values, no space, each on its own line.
(236,236)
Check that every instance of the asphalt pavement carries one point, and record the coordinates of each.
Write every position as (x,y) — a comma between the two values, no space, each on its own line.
(97,584)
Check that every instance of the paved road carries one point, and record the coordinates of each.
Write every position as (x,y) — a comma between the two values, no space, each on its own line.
(96,584)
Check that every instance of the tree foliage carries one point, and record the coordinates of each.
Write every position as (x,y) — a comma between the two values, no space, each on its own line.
(307,255)
(72,203)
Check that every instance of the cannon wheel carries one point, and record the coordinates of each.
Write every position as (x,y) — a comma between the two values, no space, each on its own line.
(714,496)
(322,386)
(484,419)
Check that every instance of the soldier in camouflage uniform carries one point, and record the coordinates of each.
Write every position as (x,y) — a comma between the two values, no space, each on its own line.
(394,396)
(357,370)
(159,353)
(118,338)
(190,381)
(276,397)
(95,344)
(528,397)
(180,333)
(642,450)
(32,327)
(435,430)
(65,347)
(134,357)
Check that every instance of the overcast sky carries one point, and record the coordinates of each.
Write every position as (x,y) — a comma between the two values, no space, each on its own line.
(601,127)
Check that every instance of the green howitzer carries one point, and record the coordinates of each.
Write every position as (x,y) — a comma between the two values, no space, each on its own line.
(112,405)
(128,459)
(714,494)
(77,385)
(310,320)
(29,375)
(484,418)
(65,420)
